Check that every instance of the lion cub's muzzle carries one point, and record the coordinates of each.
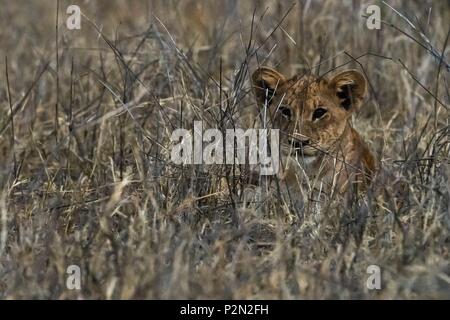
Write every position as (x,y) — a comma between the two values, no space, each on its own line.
(300,144)
(302,147)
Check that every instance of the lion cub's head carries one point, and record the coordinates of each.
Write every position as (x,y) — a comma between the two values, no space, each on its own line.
(312,113)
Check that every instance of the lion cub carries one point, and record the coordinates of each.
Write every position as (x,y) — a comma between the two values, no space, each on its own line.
(317,139)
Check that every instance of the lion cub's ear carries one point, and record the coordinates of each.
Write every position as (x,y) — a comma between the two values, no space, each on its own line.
(350,87)
(266,83)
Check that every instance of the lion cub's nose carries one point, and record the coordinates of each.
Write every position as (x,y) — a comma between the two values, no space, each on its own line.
(298,144)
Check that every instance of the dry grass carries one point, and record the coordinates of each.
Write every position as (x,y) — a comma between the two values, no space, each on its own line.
(85,171)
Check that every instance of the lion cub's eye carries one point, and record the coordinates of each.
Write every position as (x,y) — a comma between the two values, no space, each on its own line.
(285,112)
(318,113)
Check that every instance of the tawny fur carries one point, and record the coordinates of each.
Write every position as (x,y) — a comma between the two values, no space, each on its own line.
(314,116)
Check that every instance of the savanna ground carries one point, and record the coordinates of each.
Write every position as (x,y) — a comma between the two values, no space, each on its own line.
(86,177)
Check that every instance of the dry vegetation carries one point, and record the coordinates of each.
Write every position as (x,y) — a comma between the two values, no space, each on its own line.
(86,179)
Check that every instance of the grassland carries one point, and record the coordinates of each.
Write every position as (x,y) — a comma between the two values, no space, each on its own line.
(85,171)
